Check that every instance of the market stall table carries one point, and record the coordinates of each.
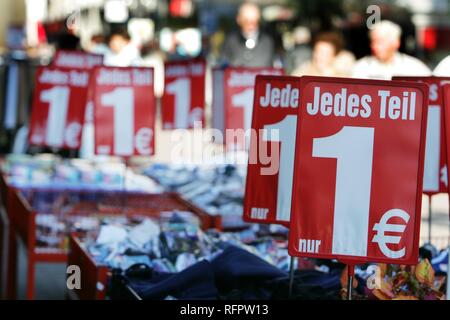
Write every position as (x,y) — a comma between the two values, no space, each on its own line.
(32,212)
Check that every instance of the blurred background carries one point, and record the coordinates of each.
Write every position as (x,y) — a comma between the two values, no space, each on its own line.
(150,32)
(32,25)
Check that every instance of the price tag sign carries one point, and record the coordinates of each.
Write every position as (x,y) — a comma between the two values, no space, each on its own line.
(434,180)
(58,107)
(233,102)
(85,61)
(445,91)
(76,59)
(183,101)
(360,151)
(124,111)
(272,150)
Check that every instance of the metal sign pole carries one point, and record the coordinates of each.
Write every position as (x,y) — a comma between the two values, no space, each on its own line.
(291,277)
(429,218)
(351,274)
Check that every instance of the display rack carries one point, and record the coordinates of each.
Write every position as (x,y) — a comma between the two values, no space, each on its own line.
(22,219)
(93,278)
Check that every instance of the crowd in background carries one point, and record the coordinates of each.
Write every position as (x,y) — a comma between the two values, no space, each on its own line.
(323,54)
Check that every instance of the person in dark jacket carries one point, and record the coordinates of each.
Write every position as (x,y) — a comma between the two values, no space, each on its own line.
(250,47)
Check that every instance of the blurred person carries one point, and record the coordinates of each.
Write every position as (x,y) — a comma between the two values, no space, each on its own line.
(122,52)
(386,61)
(153,56)
(97,45)
(323,63)
(443,68)
(301,52)
(250,46)
(345,62)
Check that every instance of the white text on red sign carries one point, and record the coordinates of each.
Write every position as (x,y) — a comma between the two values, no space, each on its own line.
(341,105)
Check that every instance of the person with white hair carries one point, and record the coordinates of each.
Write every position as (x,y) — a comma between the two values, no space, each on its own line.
(249,47)
(443,68)
(386,61)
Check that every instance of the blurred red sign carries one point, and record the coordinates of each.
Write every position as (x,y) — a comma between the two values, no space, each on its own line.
(181,8)
(233,102)
(446,104)
(76,59)
(183,102)
(434,180)
(357,190)
(272,150)
(124,111)
(58,107)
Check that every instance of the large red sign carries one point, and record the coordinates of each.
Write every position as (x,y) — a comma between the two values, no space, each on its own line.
(233,102)
(272,150)
(124,111)
(434,180)
(183,102)
(446,103)
(357,190)
(58,107)
(76,59)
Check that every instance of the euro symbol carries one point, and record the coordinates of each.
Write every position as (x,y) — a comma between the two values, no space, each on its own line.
(383,226)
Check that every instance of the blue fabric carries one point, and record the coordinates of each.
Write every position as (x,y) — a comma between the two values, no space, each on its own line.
(236,267)
(236,274)
(233,269)
(195,282)
(440,262)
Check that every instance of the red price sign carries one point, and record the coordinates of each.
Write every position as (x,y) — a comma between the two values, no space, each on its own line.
(357,190)
(183,102)
(58,107)
(446,103)
(272,150)
(233,100)
(124,111)
(434,179)
(76,59)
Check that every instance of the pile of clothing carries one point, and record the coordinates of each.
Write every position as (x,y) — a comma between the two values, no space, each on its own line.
(62,212)
(174,242)
(174,259)
(217,189)
(50,171)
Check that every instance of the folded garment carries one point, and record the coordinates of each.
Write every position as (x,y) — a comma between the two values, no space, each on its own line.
(234,274)
(231,274)
(195,282)
(236,267)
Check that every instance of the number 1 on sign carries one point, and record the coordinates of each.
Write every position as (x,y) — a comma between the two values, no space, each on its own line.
(181,89)
(245,100)
(122,101)
(353,149)
(58,100)
(286,136)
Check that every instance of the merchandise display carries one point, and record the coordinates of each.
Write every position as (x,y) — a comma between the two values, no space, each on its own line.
(177,242)
(52,172)
(61,213)
(397,282)
(217,189)
(173,247)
